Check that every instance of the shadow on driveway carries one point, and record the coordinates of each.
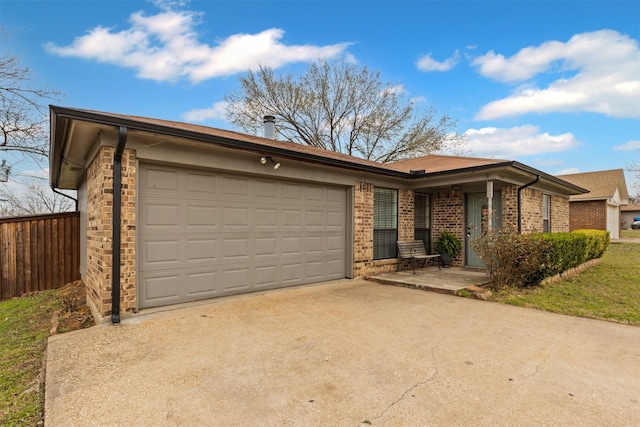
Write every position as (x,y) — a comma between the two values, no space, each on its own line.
(340,354)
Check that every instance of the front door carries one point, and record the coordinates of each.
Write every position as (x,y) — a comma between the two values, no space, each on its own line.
(476,207)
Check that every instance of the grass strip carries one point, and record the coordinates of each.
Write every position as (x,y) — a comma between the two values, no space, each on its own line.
(608,291)
(24,328)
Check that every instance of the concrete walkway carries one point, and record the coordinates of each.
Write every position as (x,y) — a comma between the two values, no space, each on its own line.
(343,354)
(446,280)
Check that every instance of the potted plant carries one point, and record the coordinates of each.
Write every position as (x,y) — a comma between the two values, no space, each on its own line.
(448,245)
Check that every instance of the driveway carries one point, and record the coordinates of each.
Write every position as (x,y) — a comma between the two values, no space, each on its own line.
(344,354)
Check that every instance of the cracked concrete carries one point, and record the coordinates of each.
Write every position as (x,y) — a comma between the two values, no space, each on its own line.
(342,354)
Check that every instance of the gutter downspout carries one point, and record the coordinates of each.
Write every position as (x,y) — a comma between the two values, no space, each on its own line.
(117,214)
(65,195)
(520,201)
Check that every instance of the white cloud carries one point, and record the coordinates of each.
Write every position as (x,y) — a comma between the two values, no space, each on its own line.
(216,112)
(349,58)
(394,90)
(517,141)
(628,146)
(605,77)
(427,63)
(165,46)
(549,162)
(567,171)
(17,184)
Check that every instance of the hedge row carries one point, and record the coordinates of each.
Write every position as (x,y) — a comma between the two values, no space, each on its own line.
(519,260)
(569,250)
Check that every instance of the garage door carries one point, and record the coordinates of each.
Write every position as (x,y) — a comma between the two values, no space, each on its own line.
(203,235)
(613,221)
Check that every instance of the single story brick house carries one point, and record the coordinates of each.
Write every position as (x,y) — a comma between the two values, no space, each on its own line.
(599,208)
(205,212)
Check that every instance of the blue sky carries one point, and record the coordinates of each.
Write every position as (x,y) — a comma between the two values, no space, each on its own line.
(552,84)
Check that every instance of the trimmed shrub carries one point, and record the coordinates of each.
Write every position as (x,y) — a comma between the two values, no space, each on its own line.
(569,250)
(597,242)
(512,259)
(521,260)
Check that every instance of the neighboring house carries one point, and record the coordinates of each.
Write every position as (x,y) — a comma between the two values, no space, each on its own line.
(204,212)
(599,209)
(628,215)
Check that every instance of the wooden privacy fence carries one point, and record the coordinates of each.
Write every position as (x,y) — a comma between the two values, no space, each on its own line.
(38,253)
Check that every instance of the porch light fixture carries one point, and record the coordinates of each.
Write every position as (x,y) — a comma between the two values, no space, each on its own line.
(265,159)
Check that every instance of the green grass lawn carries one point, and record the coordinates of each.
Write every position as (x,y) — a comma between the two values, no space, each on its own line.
(24,328)
(630,234)
(608,291)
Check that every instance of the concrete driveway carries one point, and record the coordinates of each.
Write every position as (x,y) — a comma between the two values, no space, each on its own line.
(344,354)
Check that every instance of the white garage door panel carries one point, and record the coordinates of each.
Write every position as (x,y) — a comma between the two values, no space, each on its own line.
(203,235)
(613,221)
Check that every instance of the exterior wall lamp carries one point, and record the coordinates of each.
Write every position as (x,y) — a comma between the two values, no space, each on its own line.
(265,159)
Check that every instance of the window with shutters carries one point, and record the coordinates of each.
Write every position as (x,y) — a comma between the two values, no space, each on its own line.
(385,223)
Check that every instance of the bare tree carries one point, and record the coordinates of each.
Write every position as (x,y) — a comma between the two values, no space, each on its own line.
(31,198)
(634,167)
(340,107)
(23,112)
(24,138)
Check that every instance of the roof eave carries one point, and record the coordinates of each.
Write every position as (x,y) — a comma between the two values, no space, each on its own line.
(61,117)
(59,140)
(554,179)
(574,189)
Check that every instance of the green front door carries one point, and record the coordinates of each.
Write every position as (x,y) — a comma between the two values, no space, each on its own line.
(476,207)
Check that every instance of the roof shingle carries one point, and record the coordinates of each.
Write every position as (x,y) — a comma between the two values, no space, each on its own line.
(602,184)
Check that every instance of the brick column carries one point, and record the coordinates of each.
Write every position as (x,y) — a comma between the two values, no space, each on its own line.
(99,232)
(363,263)
(406,229)
(362,228)
(560,214)
(510,207)
(448,214)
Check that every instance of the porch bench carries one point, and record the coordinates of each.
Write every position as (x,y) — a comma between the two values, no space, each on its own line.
(414,251)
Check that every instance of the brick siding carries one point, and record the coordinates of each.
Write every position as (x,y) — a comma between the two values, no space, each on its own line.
(99,232)
(362,228)
(363,262)
(531,209)
(447,214)
(510,206)
(588,215)
(406,229)
(560,214)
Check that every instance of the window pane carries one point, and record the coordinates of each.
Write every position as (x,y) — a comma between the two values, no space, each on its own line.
(385,223)
(546,212)
(384,243)
(422,219)
(385,208)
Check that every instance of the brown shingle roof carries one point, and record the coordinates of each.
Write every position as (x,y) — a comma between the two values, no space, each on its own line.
(259,141)
(601,184)
(437,163)
(62,117)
